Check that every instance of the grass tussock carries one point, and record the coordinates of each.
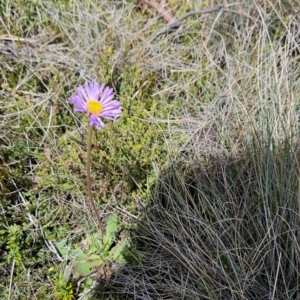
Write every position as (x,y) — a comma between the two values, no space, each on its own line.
(228,230)
(208,142)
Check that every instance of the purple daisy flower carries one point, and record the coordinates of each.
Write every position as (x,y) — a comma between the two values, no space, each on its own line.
(96,101)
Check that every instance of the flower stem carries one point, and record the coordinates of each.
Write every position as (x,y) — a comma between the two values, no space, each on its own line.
(88,177)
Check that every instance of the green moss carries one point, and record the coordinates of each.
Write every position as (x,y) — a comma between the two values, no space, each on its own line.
(63,289)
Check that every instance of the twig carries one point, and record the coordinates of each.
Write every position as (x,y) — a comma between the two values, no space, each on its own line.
(160,8)
(200,12)
(175,24)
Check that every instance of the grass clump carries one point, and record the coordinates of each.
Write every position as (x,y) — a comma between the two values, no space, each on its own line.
(225,231)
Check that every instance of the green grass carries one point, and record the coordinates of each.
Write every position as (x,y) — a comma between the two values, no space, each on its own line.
(201,169)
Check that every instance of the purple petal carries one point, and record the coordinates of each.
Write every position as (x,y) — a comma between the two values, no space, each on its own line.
(94,91)
(79,102)
(107,92)
(82,93)
(97,92)
(96,122)
(106,100)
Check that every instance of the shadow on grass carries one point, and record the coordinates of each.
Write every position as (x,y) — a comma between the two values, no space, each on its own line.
(226,230)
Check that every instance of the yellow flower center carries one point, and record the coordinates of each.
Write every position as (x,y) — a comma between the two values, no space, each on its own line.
(94,107)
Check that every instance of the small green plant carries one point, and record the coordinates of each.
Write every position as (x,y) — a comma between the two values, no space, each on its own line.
(14,244)
(96,102)
(94,253)
(63,288)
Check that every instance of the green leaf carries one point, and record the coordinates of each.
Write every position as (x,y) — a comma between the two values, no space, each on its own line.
(62,248)
(86,266)
(116,253)
(94,242)
(111,231)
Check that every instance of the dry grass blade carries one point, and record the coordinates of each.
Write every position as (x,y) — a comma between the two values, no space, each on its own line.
(161,8)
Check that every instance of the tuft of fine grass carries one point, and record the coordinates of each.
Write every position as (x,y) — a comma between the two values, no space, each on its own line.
(229,230)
